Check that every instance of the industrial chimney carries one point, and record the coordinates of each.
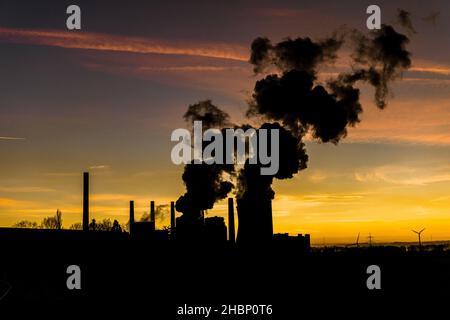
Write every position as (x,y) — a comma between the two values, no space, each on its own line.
(172,220)
(255,220)
(131,217)
(231,235)
(152,212)
(86,201)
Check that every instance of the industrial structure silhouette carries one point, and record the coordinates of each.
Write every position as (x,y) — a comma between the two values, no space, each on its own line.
(204,259)
(210,231)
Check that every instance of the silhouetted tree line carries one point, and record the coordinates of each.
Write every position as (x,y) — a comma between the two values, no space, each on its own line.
(105,225)
(55,223)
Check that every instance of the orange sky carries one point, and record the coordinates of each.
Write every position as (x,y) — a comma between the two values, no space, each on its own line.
(107,103)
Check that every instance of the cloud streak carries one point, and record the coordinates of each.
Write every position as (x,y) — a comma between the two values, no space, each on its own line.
(406,122)
(403,175)
(107,42)
(13,203)
(99,167)
(25,189)
(118,43)
(12,138)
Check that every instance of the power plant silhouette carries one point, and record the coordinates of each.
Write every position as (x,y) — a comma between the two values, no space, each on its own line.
(255,229)
(255,226)
(191,257)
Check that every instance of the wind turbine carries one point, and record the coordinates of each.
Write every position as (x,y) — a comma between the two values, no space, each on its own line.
(419,233)
(370,239)
(357,242)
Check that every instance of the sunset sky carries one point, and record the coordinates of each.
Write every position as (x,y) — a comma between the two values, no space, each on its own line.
(106,99)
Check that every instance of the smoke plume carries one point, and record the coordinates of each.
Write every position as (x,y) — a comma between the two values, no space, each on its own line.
(290,98)
(210,115)
(384,57)
(205,184)
(404,18)
(162,212)
(299,54)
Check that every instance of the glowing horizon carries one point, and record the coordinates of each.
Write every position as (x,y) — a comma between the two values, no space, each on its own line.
(106,101)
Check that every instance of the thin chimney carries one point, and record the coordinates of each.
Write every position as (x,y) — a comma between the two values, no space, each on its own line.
(86,201)
(131,216)
(270,215)
(172,220)
(231,234)
(152,211)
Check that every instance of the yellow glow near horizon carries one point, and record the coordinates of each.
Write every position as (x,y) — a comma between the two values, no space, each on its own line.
(390,174)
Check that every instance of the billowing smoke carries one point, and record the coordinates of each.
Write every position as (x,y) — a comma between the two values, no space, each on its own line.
(205,184)
(404,18)
(292,159)
(299,54)
(293,99)
(290,98)
(210,115)
(383,57)
(162,212)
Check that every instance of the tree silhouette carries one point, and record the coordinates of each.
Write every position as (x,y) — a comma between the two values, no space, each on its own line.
(76,226)
(26,224)
(116,227)
(53,222)
(93,225)
(104,225)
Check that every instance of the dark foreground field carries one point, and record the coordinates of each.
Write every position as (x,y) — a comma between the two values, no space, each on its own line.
(120,274)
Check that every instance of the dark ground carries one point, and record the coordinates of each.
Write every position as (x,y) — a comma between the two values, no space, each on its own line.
(119,274)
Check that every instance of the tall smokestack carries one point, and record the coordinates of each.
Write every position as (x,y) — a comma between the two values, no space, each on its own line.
(231,235)
(255,220)
(152,211)
(270,218)
(86,201)
(131,216)
(172,220)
